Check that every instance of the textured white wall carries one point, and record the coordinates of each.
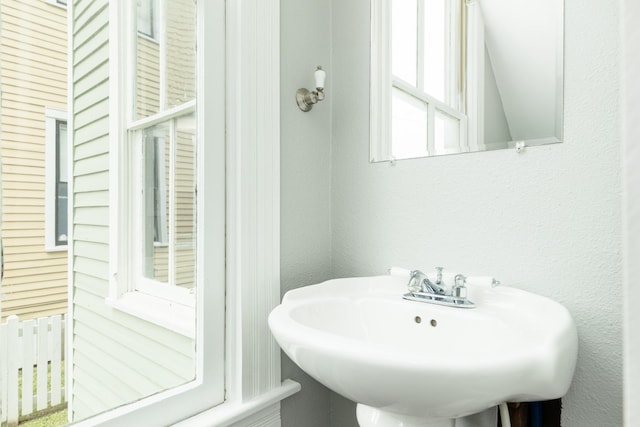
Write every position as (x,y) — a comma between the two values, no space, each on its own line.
(547,220)
(306,182)
(631,134)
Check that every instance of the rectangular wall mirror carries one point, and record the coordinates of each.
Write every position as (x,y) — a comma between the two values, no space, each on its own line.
(457,76)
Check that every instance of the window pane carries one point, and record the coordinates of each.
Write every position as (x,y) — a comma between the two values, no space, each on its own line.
(146,15)
(434,48)
(165,65)
(169,176)
(185,197)
(409,126)
(447,133)
(156,178)
(180,51)
(61,184)
(147,77)
(61,157)
(404,40)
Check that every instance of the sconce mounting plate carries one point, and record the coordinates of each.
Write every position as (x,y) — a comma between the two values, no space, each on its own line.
(301,98)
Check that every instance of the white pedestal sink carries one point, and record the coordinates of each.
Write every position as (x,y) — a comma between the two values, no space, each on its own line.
(413,364)
(373,417)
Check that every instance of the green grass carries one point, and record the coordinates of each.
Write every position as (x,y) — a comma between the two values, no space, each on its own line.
(50,417)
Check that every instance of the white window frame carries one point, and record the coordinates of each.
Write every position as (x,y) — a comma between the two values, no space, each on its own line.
(133,225)
(52,117)
(57,3)
(251,358)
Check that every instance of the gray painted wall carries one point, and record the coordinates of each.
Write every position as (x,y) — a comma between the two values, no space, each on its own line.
(547,220)
(631,133)
(305,182)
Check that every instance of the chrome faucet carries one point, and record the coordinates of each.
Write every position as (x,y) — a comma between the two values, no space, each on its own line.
(421,288)
(459,289)
(419,282)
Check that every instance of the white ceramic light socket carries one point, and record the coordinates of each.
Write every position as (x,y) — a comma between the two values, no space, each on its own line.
(320,76)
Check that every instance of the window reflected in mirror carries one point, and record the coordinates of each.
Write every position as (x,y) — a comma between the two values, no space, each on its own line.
(460,76)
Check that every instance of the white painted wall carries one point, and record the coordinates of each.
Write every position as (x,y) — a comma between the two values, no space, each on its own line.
(631,132)
(547,220)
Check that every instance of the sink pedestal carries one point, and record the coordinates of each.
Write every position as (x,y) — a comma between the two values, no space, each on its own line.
(373,417)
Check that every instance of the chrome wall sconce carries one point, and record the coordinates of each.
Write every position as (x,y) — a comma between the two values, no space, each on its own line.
(305,98)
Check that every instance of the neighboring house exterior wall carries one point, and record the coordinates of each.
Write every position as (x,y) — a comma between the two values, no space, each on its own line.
(33,78)
(117,357)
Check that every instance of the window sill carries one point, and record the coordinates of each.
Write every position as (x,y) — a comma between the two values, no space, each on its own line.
(56,248)
(232,413)
(170,315)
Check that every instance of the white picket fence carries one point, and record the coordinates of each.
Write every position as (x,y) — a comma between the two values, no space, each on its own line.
(31,345)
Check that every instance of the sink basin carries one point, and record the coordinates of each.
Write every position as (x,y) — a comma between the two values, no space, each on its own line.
(409,363)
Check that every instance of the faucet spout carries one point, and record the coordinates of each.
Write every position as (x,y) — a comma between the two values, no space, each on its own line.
(429,286)
(419,282)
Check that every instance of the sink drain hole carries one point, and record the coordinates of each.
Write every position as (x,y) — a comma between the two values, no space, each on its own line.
(434,322)
(418,319)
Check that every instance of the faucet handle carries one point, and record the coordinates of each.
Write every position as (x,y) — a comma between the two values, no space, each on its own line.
(459,286)
(439,275)
(415,282)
